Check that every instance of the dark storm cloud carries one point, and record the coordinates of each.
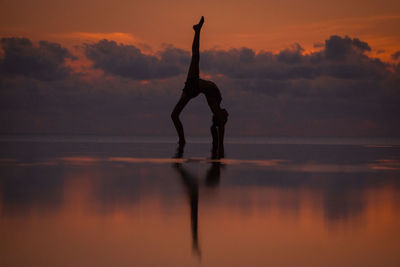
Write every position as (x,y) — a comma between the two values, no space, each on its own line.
(129,61)
(44,61)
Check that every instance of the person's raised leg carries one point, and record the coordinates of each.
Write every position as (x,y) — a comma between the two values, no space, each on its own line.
(175,117)
(193,73)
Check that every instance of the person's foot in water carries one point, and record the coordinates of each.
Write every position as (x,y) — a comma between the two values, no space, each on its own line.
(179,151)
(198,26)
(214,153)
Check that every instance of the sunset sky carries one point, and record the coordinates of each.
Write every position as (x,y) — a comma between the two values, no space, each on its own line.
(285,68)
(257,24)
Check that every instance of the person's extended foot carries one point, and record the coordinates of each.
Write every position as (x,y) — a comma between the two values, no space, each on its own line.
(198,26)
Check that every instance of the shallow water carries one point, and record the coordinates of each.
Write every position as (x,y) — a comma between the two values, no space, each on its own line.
(96,203)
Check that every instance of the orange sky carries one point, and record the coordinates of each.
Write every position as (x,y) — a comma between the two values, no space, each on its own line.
(261,25)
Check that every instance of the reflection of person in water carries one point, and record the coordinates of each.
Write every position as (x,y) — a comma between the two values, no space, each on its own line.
(192,190)
(191,185)
(193,87)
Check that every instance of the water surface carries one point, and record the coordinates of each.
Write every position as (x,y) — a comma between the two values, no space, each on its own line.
(90,202)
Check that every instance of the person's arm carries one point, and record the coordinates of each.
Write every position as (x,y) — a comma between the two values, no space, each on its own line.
(221,116)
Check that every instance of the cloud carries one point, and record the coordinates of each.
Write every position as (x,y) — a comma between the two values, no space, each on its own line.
(319,45)
(44,61)
(338,48)
(341,58)
(396,55)
(289,93)
(129,61)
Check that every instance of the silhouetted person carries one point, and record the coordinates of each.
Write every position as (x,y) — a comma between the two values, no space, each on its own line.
(193,87)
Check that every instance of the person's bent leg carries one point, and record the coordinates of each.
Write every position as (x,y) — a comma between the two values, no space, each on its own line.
(175,117)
